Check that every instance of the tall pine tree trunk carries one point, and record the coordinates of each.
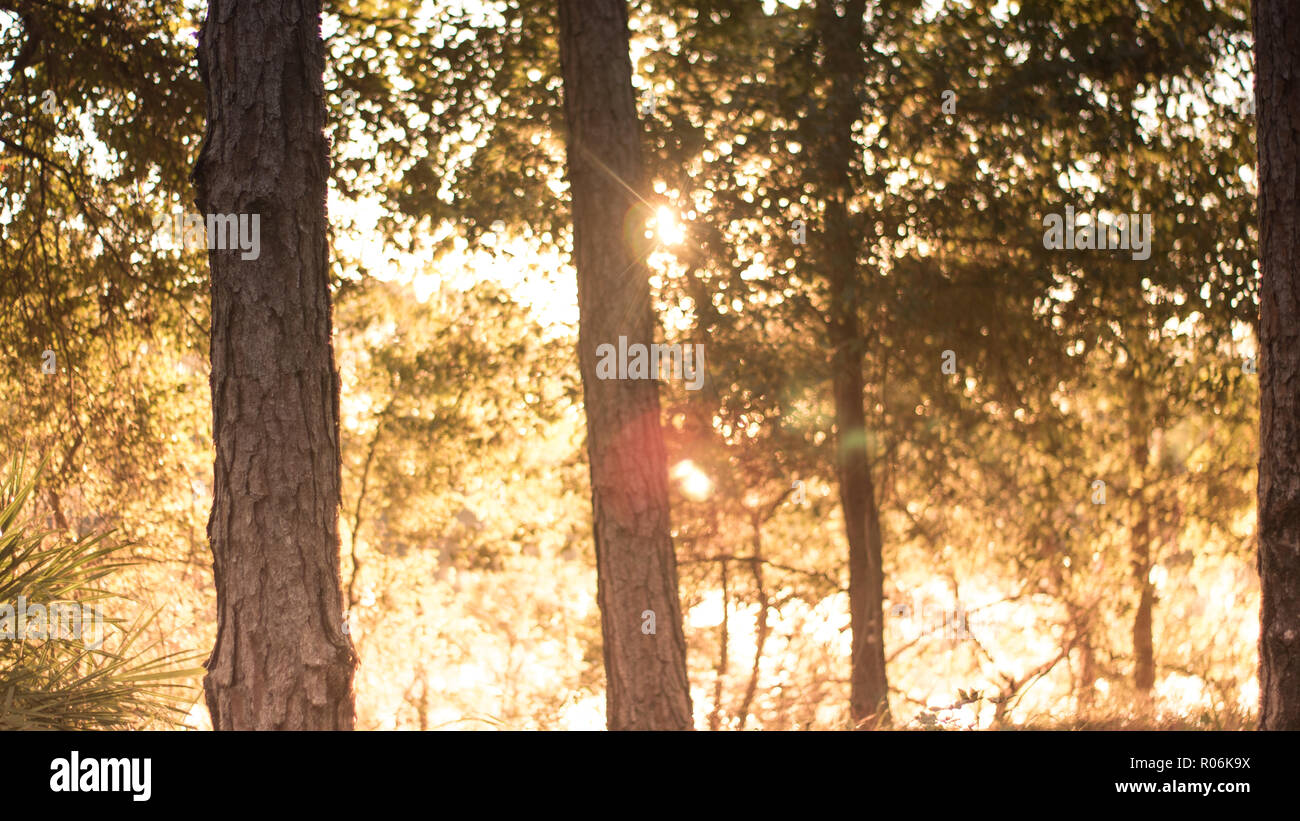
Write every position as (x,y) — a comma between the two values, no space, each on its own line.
(1277,106)
(869,689)
(1144,667)
(646,684)
(1144,653)
(841,39)
(281,660)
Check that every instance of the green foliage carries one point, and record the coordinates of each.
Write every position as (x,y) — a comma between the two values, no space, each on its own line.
(462,393)
(462,467)
(67,682)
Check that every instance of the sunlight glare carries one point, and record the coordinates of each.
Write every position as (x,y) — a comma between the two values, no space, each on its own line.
(696,486)
(668,229)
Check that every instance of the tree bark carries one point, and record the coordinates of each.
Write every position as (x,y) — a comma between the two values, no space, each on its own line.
(1144,667)
(724,642)
(761,629)
(1277,107)
(842,40)
(646,683)
(869,688)
(281,660)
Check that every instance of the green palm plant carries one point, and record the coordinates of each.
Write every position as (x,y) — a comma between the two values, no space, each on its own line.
(52,680)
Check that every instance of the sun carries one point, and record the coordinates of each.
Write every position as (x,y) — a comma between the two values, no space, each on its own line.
(695,484)
(667,228)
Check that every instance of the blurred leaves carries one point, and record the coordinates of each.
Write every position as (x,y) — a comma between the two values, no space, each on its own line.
(57,682)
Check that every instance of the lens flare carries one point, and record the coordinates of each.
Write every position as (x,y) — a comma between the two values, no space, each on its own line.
(695,485)
(668,229)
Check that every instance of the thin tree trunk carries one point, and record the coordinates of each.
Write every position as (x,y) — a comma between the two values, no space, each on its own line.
(761,629)
(1144,671)
(869,689)
(724,640)
(1277,106)
(842,38)
(380,420)
(1086,695)
(1144,667)
(281,660)
(646,683)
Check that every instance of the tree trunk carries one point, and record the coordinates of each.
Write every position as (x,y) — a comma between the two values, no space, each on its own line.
(841,38)
(281,660)
(761,628)
(724,641)
(646,684)
(1144,667)
(869,689)
(1086,695)
(1277,106)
